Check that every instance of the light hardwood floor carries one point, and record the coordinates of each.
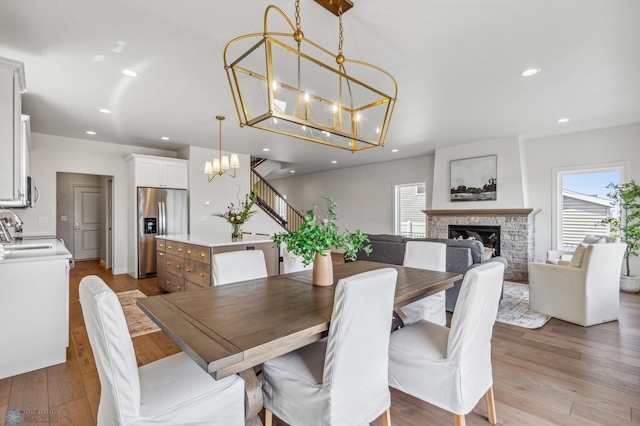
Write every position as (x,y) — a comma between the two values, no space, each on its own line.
(560,374)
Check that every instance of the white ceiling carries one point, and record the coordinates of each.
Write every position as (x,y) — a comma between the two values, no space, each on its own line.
(457,64)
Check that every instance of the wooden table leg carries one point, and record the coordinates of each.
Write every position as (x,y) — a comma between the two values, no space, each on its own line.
(252,397)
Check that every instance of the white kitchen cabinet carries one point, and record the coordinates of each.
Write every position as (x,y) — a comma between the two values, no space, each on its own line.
(13,144)
(34,308)
(160,172)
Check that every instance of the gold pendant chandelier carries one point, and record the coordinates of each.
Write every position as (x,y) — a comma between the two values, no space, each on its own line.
(283,83)
(220,166)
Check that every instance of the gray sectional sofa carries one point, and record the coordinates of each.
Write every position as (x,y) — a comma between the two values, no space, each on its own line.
(462,255)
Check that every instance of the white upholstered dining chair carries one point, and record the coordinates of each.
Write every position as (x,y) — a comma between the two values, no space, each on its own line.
(451,368)
(425,255)
(343,379)
(240,265)
(171,391)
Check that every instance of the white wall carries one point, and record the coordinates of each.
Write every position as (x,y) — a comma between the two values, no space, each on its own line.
(206,197)
(52,154)
(509,185)
(525,178)
(597,148)
(365,194)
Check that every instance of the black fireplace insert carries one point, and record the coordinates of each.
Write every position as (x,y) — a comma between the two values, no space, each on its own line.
(487,234)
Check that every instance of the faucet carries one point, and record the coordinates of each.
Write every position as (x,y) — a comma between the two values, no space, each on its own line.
(11,218)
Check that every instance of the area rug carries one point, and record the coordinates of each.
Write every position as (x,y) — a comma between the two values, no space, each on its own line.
(137,321)
(514,307)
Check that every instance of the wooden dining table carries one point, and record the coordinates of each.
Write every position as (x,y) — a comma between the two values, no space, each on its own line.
(232,328)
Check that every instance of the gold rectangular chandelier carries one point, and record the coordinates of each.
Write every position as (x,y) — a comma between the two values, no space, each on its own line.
(285,83)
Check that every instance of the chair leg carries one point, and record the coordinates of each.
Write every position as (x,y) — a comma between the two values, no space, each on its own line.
(386,417)
(491,406)
(268,418)
(458,420)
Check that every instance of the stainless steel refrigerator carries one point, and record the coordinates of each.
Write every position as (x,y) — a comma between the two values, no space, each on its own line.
(160,212)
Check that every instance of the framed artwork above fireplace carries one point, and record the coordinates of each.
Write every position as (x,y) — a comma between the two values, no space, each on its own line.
(474,179)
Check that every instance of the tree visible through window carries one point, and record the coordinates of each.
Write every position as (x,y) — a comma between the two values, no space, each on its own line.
(410,203)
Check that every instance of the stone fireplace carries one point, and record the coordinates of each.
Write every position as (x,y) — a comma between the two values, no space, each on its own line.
(516,233)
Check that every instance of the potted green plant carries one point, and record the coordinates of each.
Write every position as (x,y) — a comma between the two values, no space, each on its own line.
(315,237)
(238,215)
(626,225)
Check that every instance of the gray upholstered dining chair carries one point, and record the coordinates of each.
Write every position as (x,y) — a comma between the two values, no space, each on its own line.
(425,255)
(343,379)
(241,265)
(171,391)
(451,368)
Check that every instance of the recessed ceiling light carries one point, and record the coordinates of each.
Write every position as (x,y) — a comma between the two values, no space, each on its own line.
(394,150)
(530,72)
(164,138)
(104,111)
(91,132)
(265,149)
(334,162)
(563,120)
(292,171)
(129,73)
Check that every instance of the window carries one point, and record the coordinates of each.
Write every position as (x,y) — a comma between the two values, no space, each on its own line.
(583,203)
(410,203)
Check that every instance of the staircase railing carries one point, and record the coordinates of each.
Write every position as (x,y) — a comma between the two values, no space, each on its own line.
(274,204)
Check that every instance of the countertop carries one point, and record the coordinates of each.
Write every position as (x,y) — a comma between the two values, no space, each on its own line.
(216,240)
(27,250)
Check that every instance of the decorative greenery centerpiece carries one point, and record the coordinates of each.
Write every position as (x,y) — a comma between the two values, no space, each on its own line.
(238,215)
(315,237)
(626,224)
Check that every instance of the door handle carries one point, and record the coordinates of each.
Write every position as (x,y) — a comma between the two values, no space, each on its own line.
(77,227)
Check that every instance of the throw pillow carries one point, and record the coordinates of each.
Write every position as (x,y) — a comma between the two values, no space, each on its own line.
(592,239)
(474,235)
(578,254)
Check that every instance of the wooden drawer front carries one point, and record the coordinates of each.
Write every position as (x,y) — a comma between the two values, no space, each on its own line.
(161,262)
(197,272)
(175,248)
(174,265)
(173,283)
(192,286)
(161,245)
(198,253)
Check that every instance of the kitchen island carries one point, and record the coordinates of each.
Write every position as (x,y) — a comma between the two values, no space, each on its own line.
(184,262)
(34,305)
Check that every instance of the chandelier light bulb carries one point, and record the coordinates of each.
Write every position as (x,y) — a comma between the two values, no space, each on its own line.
(235,161)
(225,162)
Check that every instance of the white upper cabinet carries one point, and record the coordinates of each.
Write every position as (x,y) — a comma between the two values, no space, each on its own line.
(161,172)
(13,142)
